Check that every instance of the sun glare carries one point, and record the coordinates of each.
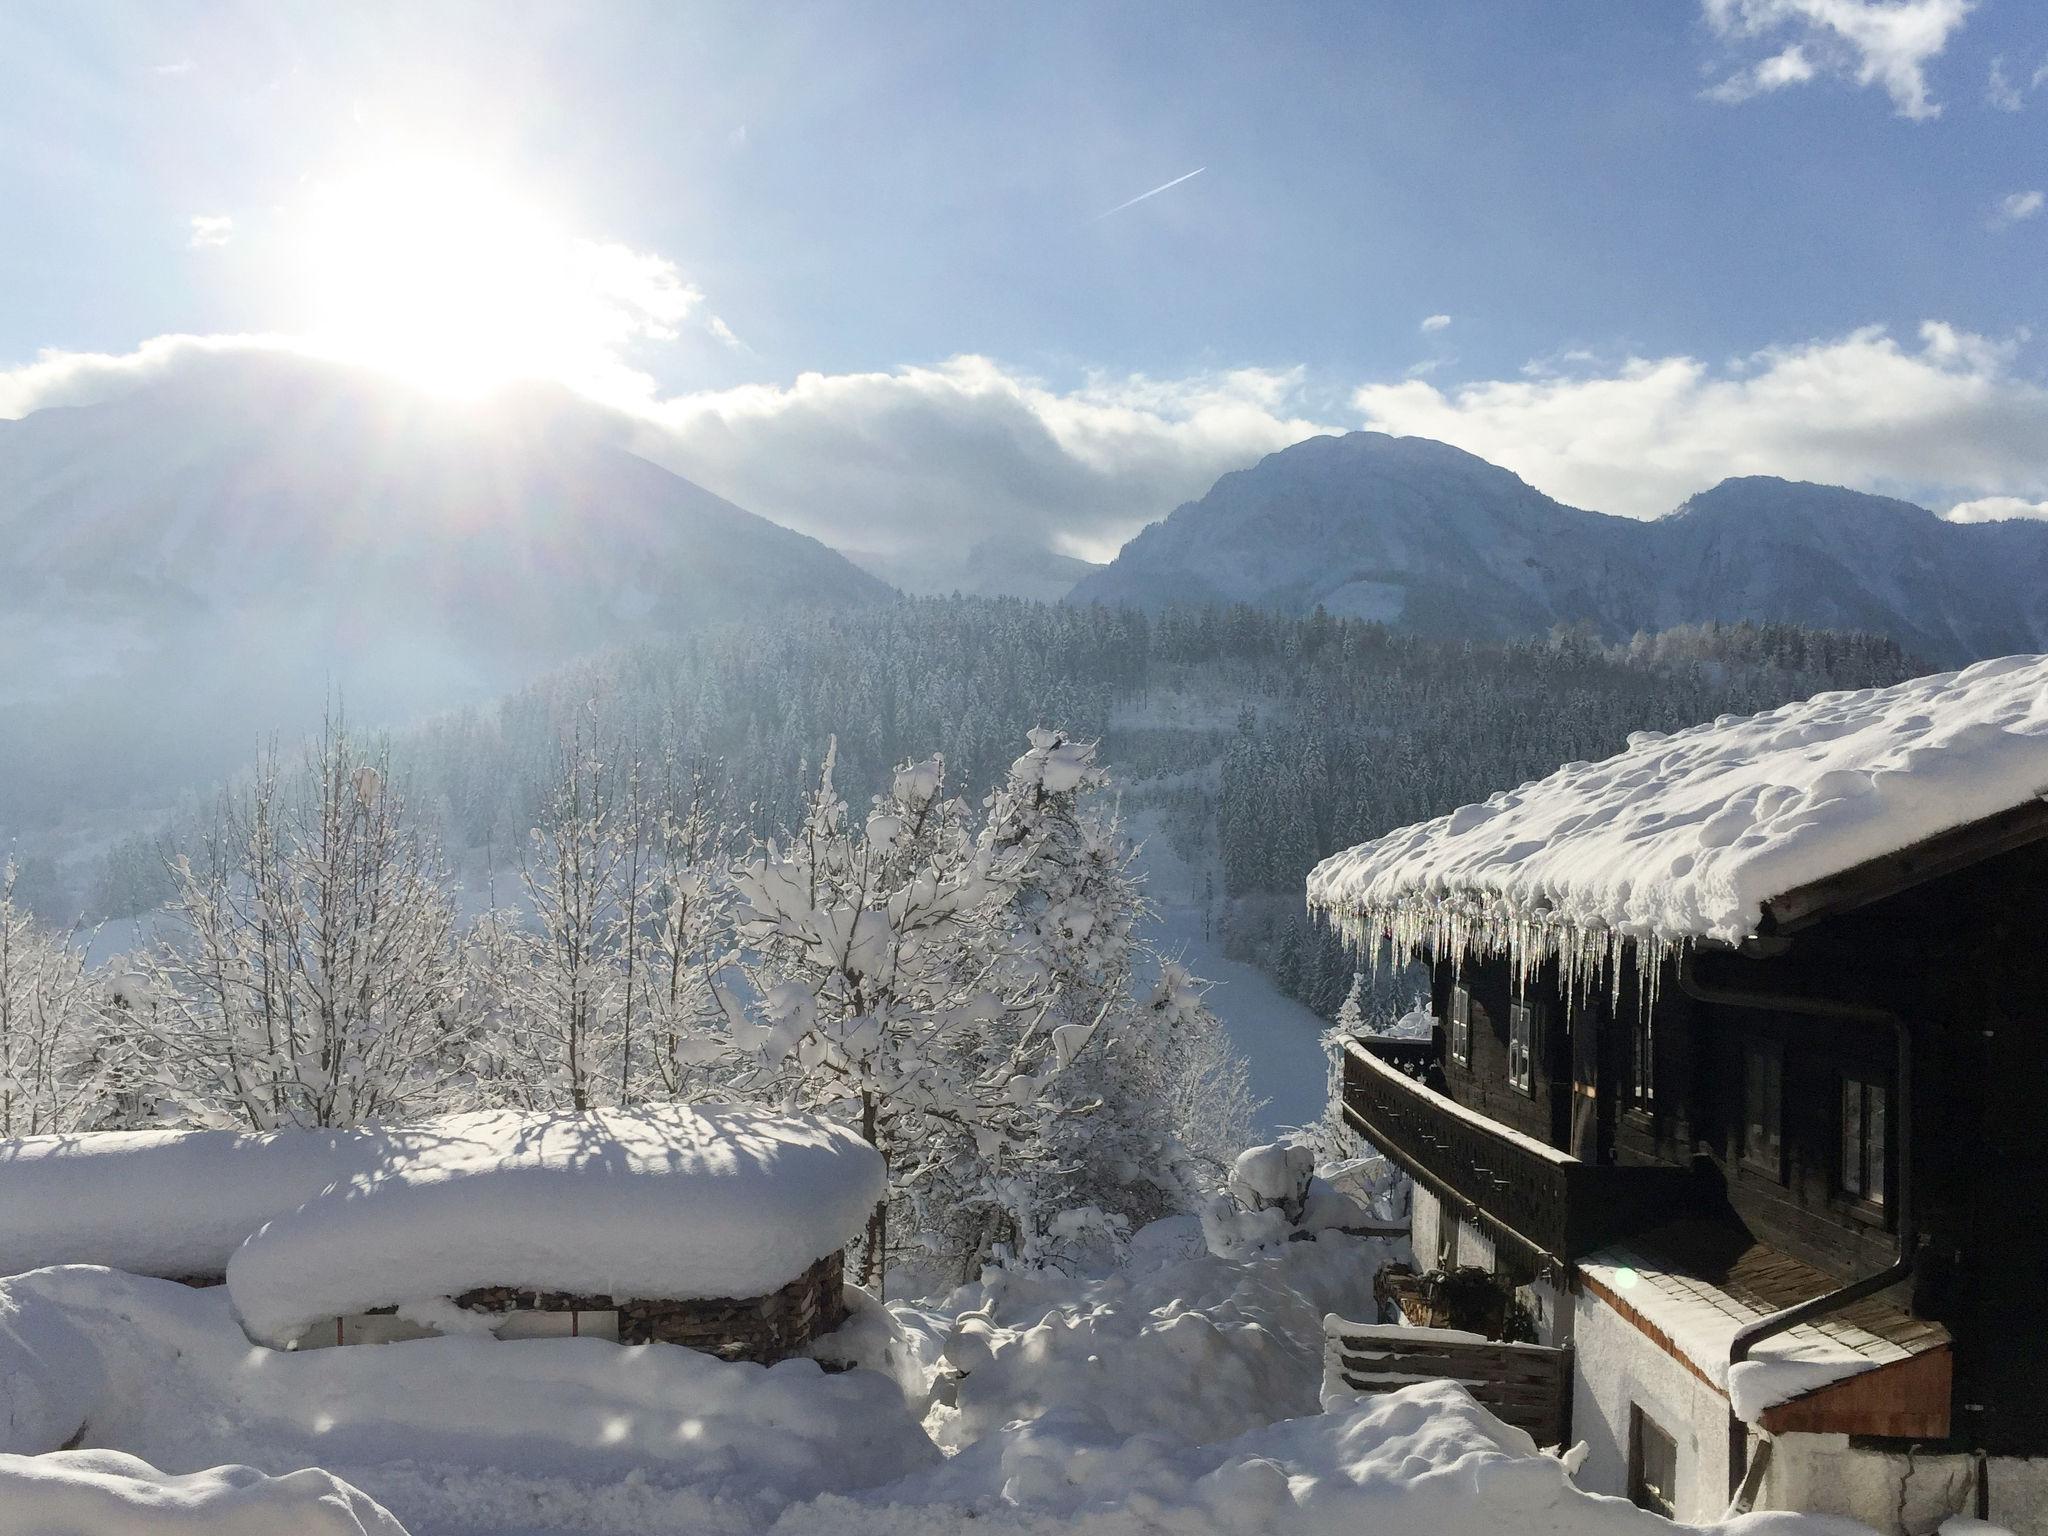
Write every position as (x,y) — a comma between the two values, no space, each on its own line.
(438,273)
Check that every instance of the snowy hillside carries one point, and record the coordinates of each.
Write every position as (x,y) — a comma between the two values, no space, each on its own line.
(996,567)
(1419,533)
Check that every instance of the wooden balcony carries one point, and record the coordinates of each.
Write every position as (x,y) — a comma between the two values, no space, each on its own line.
(1546,1202)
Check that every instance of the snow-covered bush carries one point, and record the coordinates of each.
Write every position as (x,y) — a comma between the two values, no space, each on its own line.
(1274,1195)
(61,1064)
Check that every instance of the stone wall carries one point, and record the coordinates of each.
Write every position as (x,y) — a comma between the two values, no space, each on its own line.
(759,1328)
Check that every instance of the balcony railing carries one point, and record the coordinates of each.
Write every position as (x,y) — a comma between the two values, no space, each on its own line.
(1554,1204)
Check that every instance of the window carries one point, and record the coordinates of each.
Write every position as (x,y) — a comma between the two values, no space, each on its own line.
(1652,1465)
(1863,1139)
(1763,1089)
(1522,1048)
(1460,1027)
(1642,1060)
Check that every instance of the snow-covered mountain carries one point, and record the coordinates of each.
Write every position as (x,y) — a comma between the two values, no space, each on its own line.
(1419,533)
(215,552)
(995,567)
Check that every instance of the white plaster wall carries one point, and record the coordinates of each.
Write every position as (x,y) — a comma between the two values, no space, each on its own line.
(1616,1365)
(1475,1248)
(1900,1494)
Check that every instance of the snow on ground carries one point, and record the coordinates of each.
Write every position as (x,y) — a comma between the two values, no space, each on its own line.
(669,1201)
(1176,1397)
(107,1493)
(1686,836)
(1276,1035)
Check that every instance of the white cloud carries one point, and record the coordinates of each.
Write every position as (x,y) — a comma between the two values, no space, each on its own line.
(1888,43)
(1996,509)
(210,231)
(719,329)
(1791,67)
(1949,415)
(883,461)
(2018,206)
(2000,91)
(1436,322)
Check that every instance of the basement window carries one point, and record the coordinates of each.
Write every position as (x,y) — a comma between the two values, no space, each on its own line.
(1652,1465)
(1459,1026)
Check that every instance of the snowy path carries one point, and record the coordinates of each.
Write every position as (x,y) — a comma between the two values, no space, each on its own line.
(1276,1035)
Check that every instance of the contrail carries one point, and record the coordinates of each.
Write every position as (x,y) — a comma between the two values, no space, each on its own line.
(1165,187)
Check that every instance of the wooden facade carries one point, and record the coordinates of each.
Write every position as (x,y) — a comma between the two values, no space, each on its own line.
(1760,1091)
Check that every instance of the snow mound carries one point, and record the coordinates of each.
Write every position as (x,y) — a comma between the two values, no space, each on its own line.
(1686,837)
(107,1493)
(672,1202)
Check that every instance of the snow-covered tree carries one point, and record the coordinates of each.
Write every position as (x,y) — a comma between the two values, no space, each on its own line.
(306,976)
(558,973)
(888,985)
(686,943)
(55,1065)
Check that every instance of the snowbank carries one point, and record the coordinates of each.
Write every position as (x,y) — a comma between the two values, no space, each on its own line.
(1180,1401)
(670,1202)
(106,1493)
(1686,836)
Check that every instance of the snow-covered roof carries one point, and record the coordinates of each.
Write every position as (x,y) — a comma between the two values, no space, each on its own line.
(1701,1319)
(668,1201)
(679,1203)
(1685,837)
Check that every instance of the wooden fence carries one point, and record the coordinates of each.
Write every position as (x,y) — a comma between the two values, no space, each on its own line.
(1527,1385)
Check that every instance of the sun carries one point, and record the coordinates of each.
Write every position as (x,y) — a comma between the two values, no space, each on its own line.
(441,273)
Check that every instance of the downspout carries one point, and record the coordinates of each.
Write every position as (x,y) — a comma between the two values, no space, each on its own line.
(1743,1490)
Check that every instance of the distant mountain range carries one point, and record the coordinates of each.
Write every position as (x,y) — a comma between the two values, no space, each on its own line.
(1418,533)
(208,557)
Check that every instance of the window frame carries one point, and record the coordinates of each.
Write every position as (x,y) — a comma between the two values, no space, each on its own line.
(1757,1048)
(1642,1492)
(1872,1090)
(1525,1025)
(1458,1026)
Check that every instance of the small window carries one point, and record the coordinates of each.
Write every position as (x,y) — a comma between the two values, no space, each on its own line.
(1863,1139)
(1460,1027)
(1763,1090)
(1642,1060)
(1652,1465)
(1522,1048)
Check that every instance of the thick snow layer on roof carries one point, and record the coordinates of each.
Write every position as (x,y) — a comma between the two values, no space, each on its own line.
(1701,1322)
(669,1202)
(1686,836)
(168,1203)
(179,1203)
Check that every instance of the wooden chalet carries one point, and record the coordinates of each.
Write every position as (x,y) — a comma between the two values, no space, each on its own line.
(1780,1187)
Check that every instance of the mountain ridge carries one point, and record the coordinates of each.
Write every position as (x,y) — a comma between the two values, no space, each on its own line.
(1422,534)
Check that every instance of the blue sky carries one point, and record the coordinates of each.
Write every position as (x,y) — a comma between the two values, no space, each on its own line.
(859,190)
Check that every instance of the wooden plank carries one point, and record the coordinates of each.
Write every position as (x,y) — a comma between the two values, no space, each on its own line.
(1526,1385)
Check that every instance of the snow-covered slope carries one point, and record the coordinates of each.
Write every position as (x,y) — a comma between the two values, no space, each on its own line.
(995,567)
(203,559)
(1418,533)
